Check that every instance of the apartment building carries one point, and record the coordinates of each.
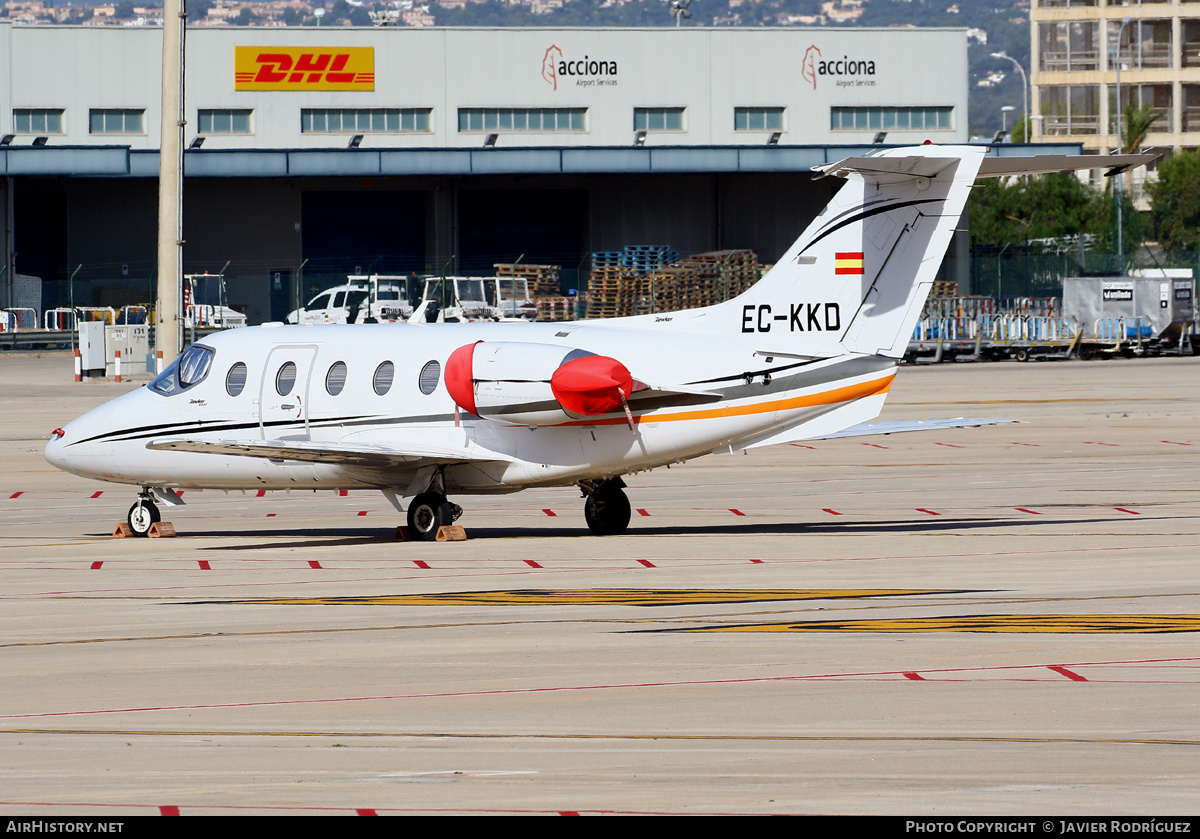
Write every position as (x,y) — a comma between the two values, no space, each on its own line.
(1084,49)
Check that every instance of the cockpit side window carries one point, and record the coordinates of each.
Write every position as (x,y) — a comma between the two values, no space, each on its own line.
(189,370)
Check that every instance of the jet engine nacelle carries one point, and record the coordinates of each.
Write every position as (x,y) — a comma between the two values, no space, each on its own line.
(535,384)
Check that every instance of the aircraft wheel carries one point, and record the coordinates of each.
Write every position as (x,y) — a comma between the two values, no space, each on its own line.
(141,516)
(607,511)
(427,512)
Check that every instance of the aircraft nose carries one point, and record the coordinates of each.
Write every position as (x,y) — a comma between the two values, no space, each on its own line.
(76,446)
(54,449)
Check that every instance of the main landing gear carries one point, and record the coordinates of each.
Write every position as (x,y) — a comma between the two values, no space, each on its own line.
(143,514)
(429,511)
(607,507)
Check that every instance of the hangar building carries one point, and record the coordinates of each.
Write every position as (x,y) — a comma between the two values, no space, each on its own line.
(320,152)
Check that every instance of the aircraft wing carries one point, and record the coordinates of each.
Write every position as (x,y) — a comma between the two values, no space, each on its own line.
(378,457)
(867,429)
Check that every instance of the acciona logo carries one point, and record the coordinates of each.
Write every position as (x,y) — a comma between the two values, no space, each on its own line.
(847,72)
(586,71)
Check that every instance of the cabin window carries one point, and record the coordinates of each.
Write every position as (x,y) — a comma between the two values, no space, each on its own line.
(382,380)
(430,374)
(188,370)
(335,379)
(285,379)
(235,380)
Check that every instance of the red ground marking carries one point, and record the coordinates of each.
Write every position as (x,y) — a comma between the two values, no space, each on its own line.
(950,445)
(168,811)
(1074,677)
(96,565)
(1131,512)
(420,563)
(647,563)
(550,512)
(532,564)
(1027,510)
(756,562)
(1034,445)
(931,512)
(800,446)
(736,512)
(641,512)
(271,515)
(260,493)
(179,492)
(19,494)
(1172,442)
(312,563)
(97,493)
(362,512)
(825,676)
(831,512)
(876,445)
(568,813)
(365,813)
(913,677)
(204,566)
(343,493)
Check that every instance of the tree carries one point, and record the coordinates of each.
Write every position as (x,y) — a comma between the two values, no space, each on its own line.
(1138,119)
(1175,201)
(1045,207)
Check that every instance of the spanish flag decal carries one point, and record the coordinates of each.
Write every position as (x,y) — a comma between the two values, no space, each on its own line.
(848,263)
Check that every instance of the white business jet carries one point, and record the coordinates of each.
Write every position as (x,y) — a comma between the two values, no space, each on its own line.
(431,411)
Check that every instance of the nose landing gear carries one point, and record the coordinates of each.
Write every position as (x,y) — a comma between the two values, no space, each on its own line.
(428,512)
(143,514)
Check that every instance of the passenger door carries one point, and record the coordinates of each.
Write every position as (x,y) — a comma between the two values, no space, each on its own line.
(283,393)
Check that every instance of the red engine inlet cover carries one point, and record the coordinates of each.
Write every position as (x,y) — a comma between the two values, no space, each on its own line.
(591,385)
(460,377)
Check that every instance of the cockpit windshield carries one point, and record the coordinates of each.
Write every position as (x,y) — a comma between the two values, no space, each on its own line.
(189,369)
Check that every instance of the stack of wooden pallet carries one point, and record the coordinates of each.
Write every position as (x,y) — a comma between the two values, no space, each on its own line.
(556,308)
(944,288)
(544,286)
(543,279)
(704,279)
(613,292)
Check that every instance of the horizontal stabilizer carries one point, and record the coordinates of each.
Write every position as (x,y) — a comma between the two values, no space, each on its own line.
(885,170)
(867,429)
(378,457)
(999,167)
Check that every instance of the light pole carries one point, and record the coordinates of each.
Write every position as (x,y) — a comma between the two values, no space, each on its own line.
(1024,87)
(1004,112)
(1120,150)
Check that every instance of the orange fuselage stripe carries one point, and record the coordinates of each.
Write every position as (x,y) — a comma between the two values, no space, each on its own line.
(827,397)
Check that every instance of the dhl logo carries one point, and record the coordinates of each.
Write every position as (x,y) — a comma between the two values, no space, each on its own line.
(304,68)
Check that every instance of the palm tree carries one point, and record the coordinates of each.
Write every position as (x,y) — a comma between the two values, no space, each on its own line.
(1138,119)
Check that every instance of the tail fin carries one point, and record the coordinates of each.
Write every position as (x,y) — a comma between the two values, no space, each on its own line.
(856,280)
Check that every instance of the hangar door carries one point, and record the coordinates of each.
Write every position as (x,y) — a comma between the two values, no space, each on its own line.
(546,225)
(355,232)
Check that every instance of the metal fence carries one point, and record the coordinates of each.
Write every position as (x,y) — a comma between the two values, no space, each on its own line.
(1006,271)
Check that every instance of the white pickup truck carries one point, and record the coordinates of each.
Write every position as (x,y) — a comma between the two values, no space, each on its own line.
(363,299)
